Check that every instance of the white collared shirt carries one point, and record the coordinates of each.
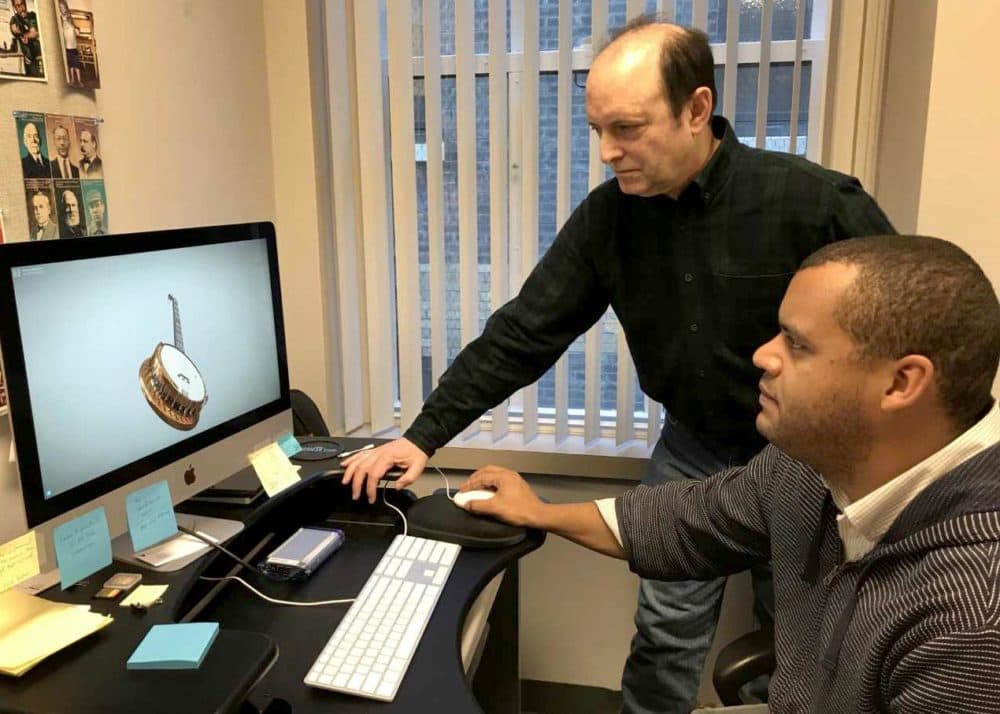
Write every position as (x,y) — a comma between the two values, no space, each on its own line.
(863,523)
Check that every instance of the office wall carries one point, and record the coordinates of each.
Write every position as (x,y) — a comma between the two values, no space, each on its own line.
(186,138)
(904,112)
(302,210)
(939,146)
(187,130)
(962,145)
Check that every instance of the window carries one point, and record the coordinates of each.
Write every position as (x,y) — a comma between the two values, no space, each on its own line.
(474,146)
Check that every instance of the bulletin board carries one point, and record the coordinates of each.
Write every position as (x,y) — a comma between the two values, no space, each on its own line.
(53,96)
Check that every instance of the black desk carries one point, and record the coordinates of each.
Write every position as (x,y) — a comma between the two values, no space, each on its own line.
(90,675)
(270,648)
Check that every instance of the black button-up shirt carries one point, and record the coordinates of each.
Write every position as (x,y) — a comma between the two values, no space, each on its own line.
(695,283)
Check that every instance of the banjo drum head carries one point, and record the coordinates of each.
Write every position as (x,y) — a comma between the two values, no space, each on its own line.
(181,373)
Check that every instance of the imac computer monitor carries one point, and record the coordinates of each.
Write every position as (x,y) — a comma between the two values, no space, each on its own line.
(140,357)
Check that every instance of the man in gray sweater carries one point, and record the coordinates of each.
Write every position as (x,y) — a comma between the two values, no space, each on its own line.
(876,500)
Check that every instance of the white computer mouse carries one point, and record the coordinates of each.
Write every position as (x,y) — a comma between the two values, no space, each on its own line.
(463,497)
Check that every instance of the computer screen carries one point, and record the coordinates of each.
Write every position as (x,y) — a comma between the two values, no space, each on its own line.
(127,354)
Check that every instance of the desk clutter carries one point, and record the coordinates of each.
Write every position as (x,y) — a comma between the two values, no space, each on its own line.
(32,628)
(83,545)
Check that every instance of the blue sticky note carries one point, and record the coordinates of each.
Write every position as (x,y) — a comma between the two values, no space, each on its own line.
(180,646)
(150,515)
(83,546)
(290,445)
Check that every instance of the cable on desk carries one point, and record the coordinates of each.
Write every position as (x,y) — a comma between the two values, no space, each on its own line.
(405,525)
(447,486)
(244,583)
(384,483)
(206,539)
(257,570)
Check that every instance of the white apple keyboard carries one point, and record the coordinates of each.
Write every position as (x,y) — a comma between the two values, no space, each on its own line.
(370,650)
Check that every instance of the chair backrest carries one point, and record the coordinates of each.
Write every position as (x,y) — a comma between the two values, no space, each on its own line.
(306,417)
(741,661)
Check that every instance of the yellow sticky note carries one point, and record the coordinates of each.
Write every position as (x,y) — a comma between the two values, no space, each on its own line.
(18,560)
(275,471)
(145,595)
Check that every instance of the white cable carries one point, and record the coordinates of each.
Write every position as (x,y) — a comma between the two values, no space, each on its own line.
(447,486)
(405,525)
(250,587)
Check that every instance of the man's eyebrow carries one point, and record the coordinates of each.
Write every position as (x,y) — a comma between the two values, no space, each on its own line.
(792,332)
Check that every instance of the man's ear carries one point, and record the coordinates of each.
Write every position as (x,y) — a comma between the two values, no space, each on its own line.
(700,106)
(912,379)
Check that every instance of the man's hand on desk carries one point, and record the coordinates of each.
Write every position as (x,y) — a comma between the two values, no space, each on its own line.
(365,469)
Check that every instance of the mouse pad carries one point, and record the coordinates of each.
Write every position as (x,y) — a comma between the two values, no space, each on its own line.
(318,448)
(437,517)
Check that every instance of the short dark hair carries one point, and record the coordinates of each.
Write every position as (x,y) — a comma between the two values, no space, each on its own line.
(686,61)
(922,295)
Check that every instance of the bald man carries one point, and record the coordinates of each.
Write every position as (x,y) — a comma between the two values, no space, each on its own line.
(62,165)
(34,164)
(692,243)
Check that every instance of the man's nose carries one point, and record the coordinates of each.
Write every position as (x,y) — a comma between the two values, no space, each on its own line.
(766,357)
(609,149)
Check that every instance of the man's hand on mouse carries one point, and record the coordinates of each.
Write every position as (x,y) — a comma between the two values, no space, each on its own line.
(515,502)
(365,469)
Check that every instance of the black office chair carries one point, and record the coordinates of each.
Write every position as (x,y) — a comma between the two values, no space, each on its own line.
(741,661)
(306,417)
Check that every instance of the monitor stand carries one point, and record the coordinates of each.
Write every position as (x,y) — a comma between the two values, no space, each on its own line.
(188,548)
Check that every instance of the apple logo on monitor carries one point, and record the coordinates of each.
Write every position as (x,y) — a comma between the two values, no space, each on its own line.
(189,475)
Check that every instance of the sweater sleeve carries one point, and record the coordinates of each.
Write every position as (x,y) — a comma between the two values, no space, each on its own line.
(949,673)
(564,295)
(700,529)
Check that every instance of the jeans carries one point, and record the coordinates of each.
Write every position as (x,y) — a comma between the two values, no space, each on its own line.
(675,621)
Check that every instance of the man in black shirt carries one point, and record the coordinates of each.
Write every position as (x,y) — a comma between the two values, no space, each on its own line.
(24,32)
(692,244)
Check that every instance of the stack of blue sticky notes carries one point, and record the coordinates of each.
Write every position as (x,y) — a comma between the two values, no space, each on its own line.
(181,646)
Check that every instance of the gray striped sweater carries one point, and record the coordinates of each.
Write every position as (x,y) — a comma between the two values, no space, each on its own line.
(914,626)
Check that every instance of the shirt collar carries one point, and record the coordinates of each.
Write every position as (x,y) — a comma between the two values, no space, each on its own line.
(873,514)
(714,176)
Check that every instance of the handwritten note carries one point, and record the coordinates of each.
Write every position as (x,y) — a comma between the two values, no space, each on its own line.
(150,515)
(290,445)
(18,560)
(83,546)
(275,471)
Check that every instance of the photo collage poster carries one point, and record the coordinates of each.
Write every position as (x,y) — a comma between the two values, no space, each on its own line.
(63,175)
(22,54)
